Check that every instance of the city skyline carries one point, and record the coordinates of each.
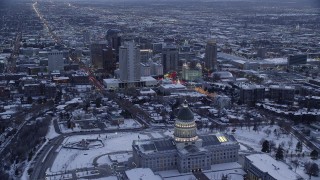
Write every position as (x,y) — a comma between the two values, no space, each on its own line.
(159,90)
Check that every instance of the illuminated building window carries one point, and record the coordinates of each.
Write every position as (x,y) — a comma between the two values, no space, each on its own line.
(222,139)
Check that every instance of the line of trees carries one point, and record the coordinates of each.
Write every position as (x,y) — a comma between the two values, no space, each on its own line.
(24,145)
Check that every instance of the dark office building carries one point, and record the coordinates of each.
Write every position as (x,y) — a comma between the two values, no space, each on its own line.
(114,40)
(49,90)
(31,90)
(282,94)
(4,92)
(170,57)
(297,59)
(250,94)
(97,54)
(80,79)
(315,82)
(156,48)
(210,57)
(109,62)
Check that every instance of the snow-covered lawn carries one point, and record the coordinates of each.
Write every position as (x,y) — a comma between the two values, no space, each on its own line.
(128,124)
(51,132)
(69,159)
(253,138)
(64,129)
(300,168)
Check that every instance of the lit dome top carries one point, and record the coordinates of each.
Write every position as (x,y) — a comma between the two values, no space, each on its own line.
(185,114)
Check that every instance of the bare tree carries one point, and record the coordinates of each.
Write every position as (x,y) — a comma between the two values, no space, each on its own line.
(268,132)
(290,143)
(295,164)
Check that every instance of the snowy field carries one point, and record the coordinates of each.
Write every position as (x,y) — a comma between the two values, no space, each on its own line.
(70,159)
(250,138)
(250,141)
(127,124)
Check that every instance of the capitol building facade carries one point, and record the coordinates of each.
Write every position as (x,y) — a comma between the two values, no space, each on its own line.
(186,151)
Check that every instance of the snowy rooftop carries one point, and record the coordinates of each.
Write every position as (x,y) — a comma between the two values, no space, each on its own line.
(74,100)
(274,168)
(147,78)
(148,146)
(108,81)
(281,87)
(142,174)
(147,91)
(60,78)
(250,86)
(190,94)
(276,60)
(173,86)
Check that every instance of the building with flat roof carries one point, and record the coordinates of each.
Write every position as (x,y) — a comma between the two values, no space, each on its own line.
(297,59)
(186,151)
(114,84)
(190,73)
(97,55)
(211,55)
(264,167)
(251,93)
(129,62)
(170,57)
(282,93)
(55,61)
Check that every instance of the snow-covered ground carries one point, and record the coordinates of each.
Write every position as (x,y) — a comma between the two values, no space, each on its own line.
(251,141)
(51,132)
(69,159)
(64,129)
(128,124)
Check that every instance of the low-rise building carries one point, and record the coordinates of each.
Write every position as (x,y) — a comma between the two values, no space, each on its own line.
(264,167)
(250,93)
(281,93)
(114,84)
(191,73)
(169,88)
(115,118)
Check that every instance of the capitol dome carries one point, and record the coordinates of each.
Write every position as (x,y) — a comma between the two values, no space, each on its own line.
(185,114)
(185,129)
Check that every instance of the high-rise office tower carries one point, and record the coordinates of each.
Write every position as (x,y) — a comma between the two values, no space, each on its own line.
(129,62)
(170,57)
(86,37)
(145,55)
(97,54)
(211,55)
(109,60)
(55,61)
(114,40)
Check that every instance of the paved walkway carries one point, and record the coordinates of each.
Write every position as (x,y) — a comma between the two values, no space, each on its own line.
(200,176)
